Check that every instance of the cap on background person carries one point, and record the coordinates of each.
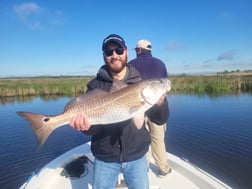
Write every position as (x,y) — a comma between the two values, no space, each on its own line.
(115,39)
(144,44)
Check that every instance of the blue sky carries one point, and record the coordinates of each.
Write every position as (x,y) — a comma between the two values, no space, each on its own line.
(57,37)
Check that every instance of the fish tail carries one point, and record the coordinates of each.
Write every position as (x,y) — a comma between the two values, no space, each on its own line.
(39,124)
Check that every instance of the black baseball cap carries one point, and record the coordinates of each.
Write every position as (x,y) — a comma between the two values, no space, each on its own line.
(115,39)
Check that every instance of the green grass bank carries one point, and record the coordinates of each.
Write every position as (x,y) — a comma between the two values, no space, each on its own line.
(42,86)
(212,83)
(34,86)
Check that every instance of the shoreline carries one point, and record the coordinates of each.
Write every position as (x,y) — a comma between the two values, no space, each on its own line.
(75,85)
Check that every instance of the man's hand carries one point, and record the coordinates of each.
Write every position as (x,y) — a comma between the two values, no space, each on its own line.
(80,122)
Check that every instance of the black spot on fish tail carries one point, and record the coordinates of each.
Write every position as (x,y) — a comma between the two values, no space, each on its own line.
(46,119)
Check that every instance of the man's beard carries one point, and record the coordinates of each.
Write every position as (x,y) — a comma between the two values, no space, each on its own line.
(118,69)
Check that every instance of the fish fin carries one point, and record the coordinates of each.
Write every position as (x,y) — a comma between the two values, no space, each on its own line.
(83,97)
(38,125)
(117,84)
(139,120)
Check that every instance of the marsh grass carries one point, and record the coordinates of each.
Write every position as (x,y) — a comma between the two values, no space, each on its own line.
(211,84)
(74,86)
(43,86)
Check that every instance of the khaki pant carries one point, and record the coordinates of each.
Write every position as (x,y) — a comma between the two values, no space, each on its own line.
(157,147)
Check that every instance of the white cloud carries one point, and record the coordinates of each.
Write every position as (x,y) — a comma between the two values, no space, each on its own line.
(228,55)
(39,18)
(24,10)
(172,45)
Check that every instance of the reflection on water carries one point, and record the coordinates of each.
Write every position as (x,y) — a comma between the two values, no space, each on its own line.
(13,99)
(8,100)
(212,131)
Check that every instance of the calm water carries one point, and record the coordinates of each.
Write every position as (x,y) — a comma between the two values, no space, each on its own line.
(213,132)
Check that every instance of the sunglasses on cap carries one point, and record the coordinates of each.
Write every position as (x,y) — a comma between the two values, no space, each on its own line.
(118,50)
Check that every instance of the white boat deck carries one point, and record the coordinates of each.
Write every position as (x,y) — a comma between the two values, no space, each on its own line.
(183,175)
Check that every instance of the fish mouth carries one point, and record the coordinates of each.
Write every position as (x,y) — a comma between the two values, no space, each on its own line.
(166,83)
